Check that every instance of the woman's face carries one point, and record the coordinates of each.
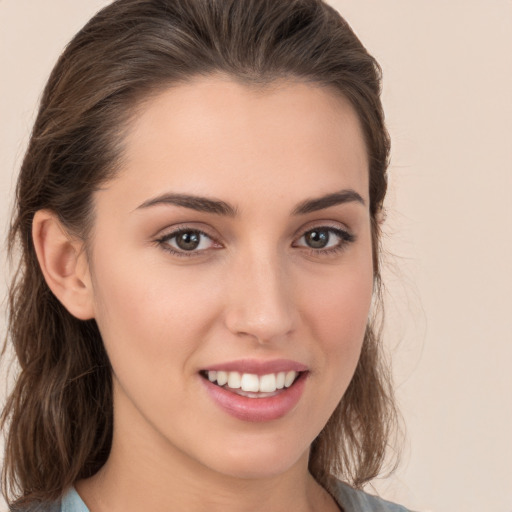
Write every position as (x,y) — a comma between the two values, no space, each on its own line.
(234,244)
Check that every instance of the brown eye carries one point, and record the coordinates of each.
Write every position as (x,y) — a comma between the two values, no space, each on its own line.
(317,238)
(188,240)
(325,239)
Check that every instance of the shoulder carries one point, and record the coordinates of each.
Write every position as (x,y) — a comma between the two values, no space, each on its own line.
(353,500)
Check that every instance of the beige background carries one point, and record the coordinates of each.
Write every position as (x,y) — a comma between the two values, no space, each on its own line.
(448,88)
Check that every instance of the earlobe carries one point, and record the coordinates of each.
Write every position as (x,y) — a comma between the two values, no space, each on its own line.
(63,264)
(381,216)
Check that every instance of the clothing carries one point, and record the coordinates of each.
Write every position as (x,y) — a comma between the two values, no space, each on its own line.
(352,500)
(349,500)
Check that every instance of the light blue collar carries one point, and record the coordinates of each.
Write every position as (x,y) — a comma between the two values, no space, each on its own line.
(71,502)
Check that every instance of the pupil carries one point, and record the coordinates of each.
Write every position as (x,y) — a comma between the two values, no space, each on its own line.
(317,239)
(188,241)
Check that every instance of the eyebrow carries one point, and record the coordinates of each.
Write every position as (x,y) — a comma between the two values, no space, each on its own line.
(218,207)
(201,204)
(320,203)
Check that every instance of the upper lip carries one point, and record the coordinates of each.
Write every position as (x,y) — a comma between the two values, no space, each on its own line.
(258,367)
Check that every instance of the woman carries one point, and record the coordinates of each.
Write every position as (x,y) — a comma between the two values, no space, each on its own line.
(198,213)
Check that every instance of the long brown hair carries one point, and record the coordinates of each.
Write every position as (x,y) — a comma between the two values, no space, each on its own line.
(58,417)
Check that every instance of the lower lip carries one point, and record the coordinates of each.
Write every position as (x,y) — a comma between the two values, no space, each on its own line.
(257,409)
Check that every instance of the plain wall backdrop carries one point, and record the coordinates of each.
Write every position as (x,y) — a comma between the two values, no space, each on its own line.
(448,98)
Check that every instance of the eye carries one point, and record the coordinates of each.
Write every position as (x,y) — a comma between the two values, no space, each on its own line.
(325,239)
(186,240)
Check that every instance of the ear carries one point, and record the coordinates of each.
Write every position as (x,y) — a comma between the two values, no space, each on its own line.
(64,264)
(381,216)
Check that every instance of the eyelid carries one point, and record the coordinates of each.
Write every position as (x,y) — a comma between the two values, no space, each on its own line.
(337,231)
(344,235)
(323,224)
(163,240)
(345,238)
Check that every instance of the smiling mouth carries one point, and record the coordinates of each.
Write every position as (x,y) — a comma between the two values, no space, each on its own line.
(251,385)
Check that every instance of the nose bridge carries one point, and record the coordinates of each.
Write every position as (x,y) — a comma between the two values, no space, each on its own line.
(260,298)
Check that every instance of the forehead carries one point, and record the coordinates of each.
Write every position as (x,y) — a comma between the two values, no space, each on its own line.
(217,136)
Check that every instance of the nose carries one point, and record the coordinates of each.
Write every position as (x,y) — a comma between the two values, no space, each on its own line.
(260,299)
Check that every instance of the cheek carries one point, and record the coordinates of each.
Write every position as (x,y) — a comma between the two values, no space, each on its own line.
(337,311)
(339,308)
(148,313)
(344,306)
(152,325)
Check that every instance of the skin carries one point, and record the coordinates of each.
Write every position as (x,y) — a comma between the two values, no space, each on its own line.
(253,289)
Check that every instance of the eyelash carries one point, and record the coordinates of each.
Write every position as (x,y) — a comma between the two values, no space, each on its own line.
(344,236)
(165,239)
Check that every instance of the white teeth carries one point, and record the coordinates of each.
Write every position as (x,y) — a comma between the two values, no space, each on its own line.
(250,382)
(280,377)
(268,383)
(234,380)
(290,377)
(222,378)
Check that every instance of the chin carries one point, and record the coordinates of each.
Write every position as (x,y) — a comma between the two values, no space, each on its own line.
(260,459)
